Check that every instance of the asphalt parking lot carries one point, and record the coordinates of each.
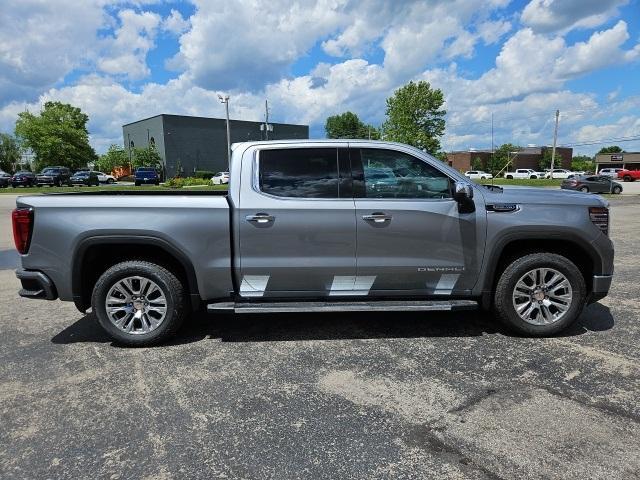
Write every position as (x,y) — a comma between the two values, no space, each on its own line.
(384,395)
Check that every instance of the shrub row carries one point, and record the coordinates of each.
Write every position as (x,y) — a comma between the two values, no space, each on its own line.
(187,182)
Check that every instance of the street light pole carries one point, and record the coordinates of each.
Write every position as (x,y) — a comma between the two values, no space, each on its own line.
(555,140)
(225,100)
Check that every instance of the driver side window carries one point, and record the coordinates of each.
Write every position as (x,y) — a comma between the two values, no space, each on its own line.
(392,174)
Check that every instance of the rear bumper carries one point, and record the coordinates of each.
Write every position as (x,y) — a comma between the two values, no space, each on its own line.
(147,180)
(36,285)
(600,287)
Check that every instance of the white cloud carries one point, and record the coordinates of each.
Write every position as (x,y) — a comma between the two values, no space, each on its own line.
(251,43)
(601,50)
(175,23)
(41,42)
(554,15)
(127,49)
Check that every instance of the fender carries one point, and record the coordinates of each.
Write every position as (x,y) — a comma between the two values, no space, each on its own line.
(84,244)
(552,233)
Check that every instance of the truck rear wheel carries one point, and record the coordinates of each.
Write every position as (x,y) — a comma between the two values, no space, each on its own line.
(139,303)
(540,294)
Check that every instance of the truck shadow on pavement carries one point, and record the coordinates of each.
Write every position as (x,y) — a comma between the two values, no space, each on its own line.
(342,326)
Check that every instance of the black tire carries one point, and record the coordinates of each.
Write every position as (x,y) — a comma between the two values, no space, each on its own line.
(169,284)
(533,177)
(627,178)
(109,181)
(584,189)
(510,177)
(137,184)
(503,300)
(617,190)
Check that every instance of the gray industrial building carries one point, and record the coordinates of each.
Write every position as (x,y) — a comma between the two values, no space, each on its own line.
(199,143)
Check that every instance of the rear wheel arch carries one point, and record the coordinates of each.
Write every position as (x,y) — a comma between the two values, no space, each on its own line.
(94,255)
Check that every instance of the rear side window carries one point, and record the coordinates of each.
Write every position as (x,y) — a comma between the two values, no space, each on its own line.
(299,172)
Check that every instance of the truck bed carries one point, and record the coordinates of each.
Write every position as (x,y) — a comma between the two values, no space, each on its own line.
(193,224)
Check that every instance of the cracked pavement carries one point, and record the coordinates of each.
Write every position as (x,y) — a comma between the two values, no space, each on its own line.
(378,395)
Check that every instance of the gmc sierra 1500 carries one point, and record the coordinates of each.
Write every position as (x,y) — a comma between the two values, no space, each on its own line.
(318,226)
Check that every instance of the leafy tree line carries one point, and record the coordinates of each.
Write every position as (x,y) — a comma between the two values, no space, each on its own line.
(414,116)
(58,135)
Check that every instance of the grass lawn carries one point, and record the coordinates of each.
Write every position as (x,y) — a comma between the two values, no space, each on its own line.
(112,188)
(538,182)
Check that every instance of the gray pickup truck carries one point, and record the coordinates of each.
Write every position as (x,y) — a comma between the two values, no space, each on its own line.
(338,225)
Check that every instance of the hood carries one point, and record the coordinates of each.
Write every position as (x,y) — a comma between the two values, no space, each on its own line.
(542,196)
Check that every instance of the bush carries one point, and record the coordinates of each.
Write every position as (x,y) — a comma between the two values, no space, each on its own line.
(187,182)
(204,174)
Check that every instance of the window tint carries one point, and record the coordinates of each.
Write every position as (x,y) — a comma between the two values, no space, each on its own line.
(392,174)
(300,172)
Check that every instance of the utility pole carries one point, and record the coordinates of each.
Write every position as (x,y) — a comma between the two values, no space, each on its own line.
(555,140)
(266,126)
(225,100)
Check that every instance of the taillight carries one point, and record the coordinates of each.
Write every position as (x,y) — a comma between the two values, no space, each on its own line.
(600,218)
(22,219)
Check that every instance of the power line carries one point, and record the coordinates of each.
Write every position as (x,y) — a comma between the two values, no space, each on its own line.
(601,141)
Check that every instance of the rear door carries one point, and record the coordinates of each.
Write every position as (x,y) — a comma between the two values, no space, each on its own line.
(296,220)
(412,240)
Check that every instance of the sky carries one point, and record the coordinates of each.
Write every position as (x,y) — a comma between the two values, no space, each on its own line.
(514,61)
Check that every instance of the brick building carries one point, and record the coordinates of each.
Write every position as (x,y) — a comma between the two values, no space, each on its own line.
(527,157)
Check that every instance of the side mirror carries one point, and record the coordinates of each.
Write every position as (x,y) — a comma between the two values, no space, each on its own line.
(463,194)
(462,191)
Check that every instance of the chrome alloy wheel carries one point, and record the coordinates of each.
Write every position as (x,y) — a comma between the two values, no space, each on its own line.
(136,305)
(542,296)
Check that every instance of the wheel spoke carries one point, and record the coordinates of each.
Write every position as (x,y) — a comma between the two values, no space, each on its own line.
(136,305)
(542,296)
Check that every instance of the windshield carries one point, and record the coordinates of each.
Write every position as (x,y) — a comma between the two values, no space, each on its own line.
(81,174)
(50,171)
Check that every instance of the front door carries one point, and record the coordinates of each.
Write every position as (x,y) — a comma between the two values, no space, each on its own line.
(412,240)
(296,233)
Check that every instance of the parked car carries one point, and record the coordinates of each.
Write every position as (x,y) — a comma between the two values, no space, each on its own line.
(84,177)
(5,179)
(23,179)
(54,176)
(523,173)
(629,175)
(609,172)
(559,173)
(593,184)
(308,235)
(146,175)
(478,174)
(105,177)
(220,178)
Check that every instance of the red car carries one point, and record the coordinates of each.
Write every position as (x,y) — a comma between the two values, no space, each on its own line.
(629,175)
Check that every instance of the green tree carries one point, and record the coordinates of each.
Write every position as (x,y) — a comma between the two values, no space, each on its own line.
(116,156)
(146,157)
(57,136)
(502,156)
(583,163)
(611,149)
(477,164)
(415,117)
(349,125)
(545,161)
(10,153)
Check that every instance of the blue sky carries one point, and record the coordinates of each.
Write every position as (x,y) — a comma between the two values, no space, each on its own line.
(515,61)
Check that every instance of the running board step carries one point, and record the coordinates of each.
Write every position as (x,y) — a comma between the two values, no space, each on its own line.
(377,306)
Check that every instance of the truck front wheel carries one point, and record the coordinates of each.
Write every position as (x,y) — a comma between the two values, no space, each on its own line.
(540,294)
(139,303)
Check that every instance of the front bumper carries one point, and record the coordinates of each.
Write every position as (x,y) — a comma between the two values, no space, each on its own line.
(36,285)
(600,287)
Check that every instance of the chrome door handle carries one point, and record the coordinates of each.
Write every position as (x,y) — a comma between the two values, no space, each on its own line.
(377,217)
(260,218)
